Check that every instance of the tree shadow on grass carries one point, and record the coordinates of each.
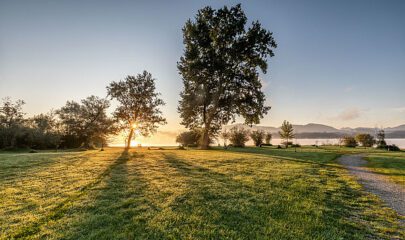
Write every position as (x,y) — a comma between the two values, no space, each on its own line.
(120,209)
(231,208)
(299,157)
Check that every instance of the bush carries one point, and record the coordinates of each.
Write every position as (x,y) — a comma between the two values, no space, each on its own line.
(239,137)
(189,138)
(365,139)
(296,145)
(392,147)
(349,141)
(287,143)
(257,137)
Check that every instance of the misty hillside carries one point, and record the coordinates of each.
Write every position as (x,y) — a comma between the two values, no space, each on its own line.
(314,130)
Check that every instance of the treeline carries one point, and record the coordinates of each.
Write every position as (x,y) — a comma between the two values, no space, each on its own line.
(236,136)
(77,124)
(85,124)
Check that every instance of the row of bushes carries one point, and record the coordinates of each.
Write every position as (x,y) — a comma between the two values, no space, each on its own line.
(366,140)
(236,136)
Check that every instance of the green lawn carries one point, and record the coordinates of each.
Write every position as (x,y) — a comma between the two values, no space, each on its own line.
(251,193)
(390,164)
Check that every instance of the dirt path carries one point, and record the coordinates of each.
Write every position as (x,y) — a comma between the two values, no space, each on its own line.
(392,194)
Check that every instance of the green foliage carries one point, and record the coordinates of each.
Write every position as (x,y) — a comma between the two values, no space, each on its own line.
(381,139)
(393,147)
(365,139)
(349,141)
(189,138)
(219,68)
(257,137)
(238,137)
(11,122)
(86,122)
(139,104)
(286,132)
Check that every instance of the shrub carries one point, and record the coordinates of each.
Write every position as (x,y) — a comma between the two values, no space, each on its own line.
(287,143)
(257,137)
(189,138)
(365,139)
(296,145)
(393,147)
(238,137)
(349,141)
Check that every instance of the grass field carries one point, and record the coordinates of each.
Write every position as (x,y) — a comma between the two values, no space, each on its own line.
(250,193)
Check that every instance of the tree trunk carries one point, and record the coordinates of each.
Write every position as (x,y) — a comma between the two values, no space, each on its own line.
(205,141)
(131,133)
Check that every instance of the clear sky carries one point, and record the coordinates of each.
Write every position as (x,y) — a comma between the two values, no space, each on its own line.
(340,63)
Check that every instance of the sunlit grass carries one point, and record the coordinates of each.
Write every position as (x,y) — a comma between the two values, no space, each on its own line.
(391,165)
(237,194)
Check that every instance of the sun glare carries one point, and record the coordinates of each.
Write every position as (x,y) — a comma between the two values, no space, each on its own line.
(135,143)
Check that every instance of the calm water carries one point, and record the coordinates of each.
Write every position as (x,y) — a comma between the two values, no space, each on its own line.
(400,142)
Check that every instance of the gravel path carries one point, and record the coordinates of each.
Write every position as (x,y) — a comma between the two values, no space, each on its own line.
(392,194)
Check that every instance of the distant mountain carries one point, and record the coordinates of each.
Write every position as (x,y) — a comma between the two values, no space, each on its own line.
(314,130)
(313,127)
(398,128)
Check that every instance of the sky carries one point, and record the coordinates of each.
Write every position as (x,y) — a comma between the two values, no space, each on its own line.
(340,63)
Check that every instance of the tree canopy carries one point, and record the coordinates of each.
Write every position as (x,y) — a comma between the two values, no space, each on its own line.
(86,121)
(139,103)
(220,70)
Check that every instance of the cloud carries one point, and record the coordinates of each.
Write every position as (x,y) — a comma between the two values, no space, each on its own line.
(349,114)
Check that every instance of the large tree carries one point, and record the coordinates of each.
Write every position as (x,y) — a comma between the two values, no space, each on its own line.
(86,121)
(286,132)
(220,70)
(139,103)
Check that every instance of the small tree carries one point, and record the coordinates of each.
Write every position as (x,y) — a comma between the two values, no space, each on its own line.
(366,140)
(11,121)
(268,137)
(189,138)
(349,141)
(239,137)
(381,139)
(225,135)
(286,132)
(139,103)
(257,137)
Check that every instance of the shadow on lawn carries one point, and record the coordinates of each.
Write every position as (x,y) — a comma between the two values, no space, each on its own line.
(300,156)
(120,209)
(243,210)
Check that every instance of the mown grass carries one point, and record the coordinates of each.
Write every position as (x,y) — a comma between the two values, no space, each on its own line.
(390,164)
(251,193)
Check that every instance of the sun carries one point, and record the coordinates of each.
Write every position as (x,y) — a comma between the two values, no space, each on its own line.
(135,143)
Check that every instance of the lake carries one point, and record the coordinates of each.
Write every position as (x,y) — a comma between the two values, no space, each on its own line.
(400,142)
